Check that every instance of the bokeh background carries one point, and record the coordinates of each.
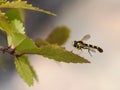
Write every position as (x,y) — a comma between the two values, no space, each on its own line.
(100,19)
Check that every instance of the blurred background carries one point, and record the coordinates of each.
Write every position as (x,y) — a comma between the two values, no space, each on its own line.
(100,19)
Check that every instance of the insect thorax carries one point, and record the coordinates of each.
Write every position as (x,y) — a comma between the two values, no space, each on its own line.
(78,44)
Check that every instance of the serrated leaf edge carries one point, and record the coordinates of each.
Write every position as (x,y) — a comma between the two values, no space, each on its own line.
(24,5)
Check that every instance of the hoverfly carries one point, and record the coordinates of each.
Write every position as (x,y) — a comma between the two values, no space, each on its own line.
(81,45)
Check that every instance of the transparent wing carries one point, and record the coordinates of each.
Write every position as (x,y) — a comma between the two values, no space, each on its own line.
(89,49)
(92,49)
(86,37)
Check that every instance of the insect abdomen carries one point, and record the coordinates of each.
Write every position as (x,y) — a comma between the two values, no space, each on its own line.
(95,47)
(100,49)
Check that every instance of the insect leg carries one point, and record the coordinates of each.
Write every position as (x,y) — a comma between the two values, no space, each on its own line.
(89,52)
(80,49)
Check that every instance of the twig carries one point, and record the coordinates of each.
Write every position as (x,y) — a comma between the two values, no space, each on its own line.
(11,51)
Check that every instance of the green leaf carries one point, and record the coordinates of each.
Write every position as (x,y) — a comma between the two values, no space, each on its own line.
(4,24)
(24,69)
(57,53)
(18,14)
(14,32)
(60,54)
(21,42)
(59,35)
(17,25)
(40,42)
(12,29)
(23,5)
(27,46)
(33,72)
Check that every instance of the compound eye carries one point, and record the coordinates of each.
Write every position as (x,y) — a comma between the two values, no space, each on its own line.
(75,44)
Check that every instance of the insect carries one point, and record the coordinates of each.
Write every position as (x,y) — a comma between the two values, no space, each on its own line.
(81,45)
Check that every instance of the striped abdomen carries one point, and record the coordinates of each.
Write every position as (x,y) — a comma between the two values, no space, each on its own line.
(95,47)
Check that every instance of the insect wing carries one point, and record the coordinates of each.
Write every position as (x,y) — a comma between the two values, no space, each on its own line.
(86,37)
(92,49)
